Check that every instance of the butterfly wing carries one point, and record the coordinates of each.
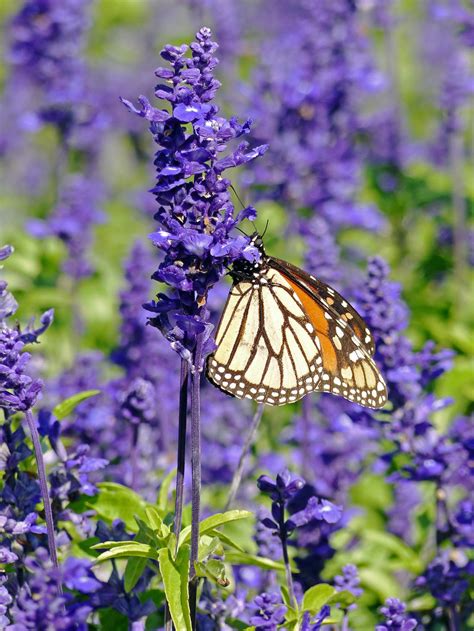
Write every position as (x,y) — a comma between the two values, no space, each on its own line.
(331,300)
(267,349)
(348,369)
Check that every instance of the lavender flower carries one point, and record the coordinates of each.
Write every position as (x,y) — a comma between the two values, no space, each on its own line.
(46,42)
(395,617)
(305,102)
(349,580)
(447,578)
(315,623)
(73,221)
(195,213)
(287,492)
(268,612)
(5,601)
(39,605)
(18,391)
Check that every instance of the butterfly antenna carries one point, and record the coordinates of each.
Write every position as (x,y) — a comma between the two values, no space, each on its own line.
(237,195)
(266,228)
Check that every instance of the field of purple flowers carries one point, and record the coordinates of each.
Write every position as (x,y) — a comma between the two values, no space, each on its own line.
(140,142)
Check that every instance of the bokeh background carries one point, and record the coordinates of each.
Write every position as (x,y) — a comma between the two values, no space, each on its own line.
(367,110)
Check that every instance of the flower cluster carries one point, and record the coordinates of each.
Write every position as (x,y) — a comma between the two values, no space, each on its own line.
(305,102)
(46,43)
(396,618)
(268,612)
(72,222)
(38,603)
(195,211)
(18,390)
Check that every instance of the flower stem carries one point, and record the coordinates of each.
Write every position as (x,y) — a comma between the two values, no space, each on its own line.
(196,474)
(181,458)
(345,622)
(133,457)
(453,619)
(180,465)
(44,488)
(249,441)
(306,445)
(289,577)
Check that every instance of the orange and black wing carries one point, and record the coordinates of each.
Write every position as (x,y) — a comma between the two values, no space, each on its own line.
(348,368)
(278,341)
(331,300)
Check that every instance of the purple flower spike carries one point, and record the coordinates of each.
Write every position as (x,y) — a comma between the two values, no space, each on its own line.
(268,612)
(195,213)
(395,617)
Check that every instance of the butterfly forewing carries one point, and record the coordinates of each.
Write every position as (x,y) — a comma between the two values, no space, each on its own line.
(331,300)
(266,345)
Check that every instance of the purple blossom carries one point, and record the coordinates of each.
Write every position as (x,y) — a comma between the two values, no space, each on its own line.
(39,605)
(195,212)
(267,612)
(305,101)
(395,617)
(5,601)
(315,623)
(139,402)
(285,490)
(349,580)
(46,43)
(7,556)
(73,221)
(77,574)
(447,578)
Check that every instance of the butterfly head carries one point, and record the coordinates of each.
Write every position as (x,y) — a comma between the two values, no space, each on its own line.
(245,269)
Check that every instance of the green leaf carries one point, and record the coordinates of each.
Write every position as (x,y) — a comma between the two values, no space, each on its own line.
(154,519)
(63,409)
(238,624)
(175,581)
(242,558)
(214,522)
(106,545)
(397,547)
(343,598)
(133,571)
(209,546)
(286,596)
(317,596)
(382,583)
(136,565)
(214,570)
(164,491)
(128,550)
(225,539)
(116,501)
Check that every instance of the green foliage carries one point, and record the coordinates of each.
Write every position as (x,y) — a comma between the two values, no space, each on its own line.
(213,522)
(63,409)
(174,573)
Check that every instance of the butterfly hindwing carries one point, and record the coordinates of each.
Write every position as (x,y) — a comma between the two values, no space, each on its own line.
(266,346)
(348,369)
(331,300)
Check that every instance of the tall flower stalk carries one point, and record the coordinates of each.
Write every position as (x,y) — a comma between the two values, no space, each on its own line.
(195,217)
(18,391)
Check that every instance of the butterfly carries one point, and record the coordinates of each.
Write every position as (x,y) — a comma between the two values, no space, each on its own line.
(284,333)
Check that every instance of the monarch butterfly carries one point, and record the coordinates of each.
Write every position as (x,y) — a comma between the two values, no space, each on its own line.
(284,333)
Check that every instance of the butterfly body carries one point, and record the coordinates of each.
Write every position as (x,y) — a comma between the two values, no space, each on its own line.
(284,334)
